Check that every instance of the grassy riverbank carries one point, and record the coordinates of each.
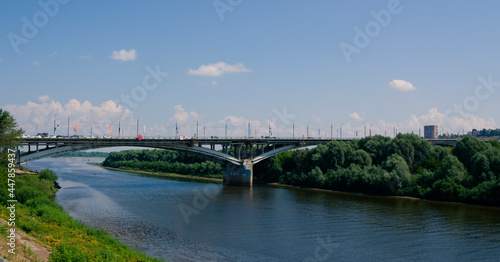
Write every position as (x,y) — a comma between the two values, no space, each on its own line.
(64,238)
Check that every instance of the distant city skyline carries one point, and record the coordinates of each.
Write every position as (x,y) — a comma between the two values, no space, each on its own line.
(289,65)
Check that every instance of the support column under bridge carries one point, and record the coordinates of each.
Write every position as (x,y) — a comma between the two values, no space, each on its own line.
(241,175)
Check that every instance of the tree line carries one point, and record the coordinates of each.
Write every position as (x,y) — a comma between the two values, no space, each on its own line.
(405,166)
(164,161)
(486,133)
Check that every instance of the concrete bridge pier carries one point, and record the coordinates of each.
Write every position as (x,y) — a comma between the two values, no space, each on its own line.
(239,175)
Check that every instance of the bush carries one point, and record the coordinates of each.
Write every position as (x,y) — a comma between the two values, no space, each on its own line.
(65,252)
(47,175)
(29,226)
(448,189)
(24,194)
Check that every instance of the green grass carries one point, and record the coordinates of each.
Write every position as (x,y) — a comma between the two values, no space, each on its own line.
(39,216)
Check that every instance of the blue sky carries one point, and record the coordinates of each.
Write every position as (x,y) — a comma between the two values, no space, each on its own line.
(278,63)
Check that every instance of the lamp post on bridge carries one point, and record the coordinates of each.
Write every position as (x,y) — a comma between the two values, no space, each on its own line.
(225,132)
(270,128)
(119,125)
(176,127)
(55,124)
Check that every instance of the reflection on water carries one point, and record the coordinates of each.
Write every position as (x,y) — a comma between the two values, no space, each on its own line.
(187,221)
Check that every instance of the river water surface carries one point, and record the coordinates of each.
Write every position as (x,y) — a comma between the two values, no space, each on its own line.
(191,221)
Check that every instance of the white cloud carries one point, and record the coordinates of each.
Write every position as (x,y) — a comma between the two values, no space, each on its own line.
(213,83)
(39,117)
(416,122)
(84,57)
(383,128)
(124,55)
(455,125)
(181,115)
(401,85)
(36,63)
(240,121)
(355,116)
(218,69)
(237,126)
(54,53)
(44,99)
(471,122)
(315,118)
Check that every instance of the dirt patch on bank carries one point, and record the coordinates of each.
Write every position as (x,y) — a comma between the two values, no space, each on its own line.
(27,248)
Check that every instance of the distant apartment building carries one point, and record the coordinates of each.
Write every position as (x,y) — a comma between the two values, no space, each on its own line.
(431,131)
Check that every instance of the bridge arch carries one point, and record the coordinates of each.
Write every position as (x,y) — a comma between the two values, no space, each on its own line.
(46,152)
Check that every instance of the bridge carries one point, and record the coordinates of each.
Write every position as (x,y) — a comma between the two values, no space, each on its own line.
(238,166)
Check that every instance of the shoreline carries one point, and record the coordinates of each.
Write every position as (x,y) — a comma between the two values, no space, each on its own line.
(278,185)
(374,195)
(172,175)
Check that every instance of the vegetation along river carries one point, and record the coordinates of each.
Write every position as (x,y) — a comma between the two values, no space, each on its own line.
(191,221)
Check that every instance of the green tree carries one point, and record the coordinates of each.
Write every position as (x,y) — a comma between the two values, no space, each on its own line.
(495,143)
(481,168)
(493,155)
(402,147)
(315,178)
(360,157)
(398,171)
(377,147)
(466,148)
(47,174)
(448,189)
(434,159)
(9,134)
(451,167)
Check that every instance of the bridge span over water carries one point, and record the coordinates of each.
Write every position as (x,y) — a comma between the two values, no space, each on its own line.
(238,169)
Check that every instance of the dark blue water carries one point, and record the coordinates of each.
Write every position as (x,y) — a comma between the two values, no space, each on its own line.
(189,221)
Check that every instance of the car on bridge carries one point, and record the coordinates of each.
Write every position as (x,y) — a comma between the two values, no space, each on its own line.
(42,135)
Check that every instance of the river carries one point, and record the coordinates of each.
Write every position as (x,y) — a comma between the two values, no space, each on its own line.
(190,221)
